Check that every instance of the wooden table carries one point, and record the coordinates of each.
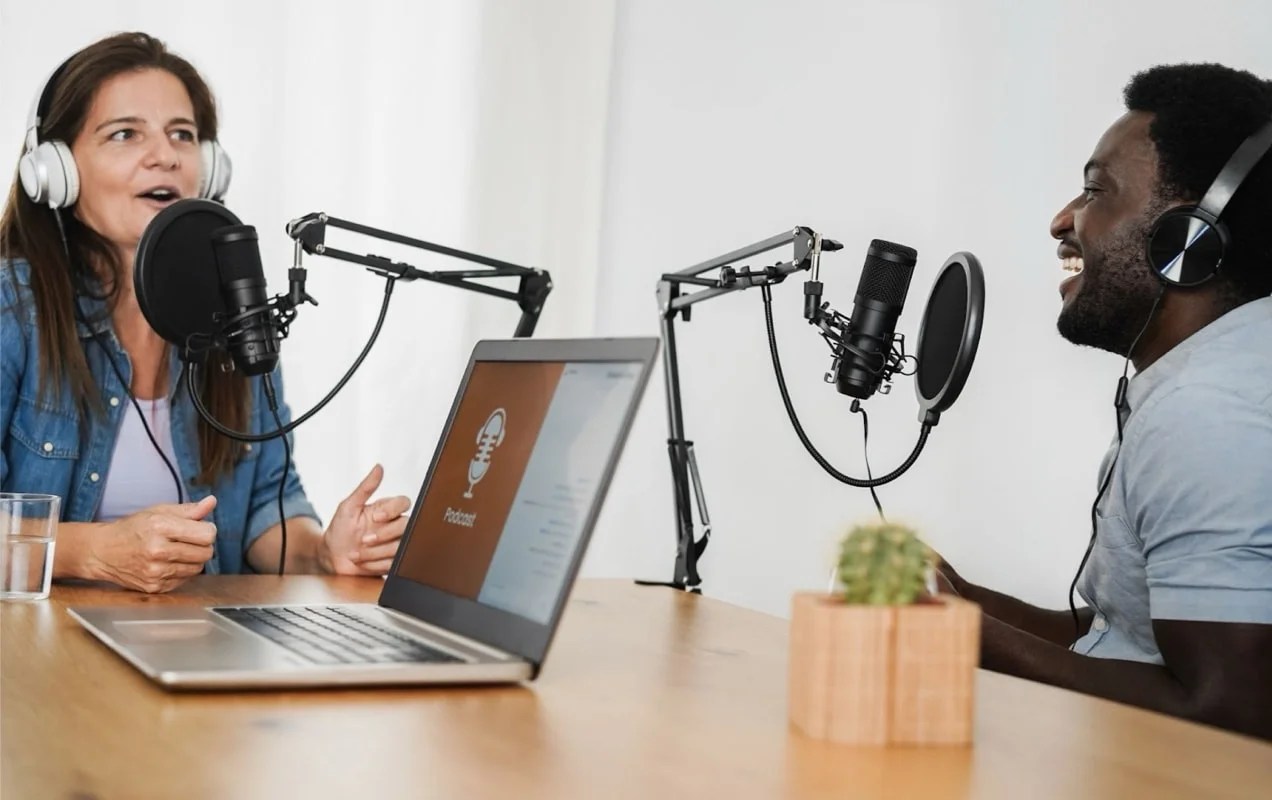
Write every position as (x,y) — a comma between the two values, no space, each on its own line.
(647,693)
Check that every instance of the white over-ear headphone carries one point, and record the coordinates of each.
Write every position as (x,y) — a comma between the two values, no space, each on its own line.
(49,176)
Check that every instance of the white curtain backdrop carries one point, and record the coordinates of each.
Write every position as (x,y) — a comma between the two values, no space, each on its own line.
(612,142)
(478,125)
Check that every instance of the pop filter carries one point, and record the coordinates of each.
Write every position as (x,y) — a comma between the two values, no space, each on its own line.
(175,274)
(949,334)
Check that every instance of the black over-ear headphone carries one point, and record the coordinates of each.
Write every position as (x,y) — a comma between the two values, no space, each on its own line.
(1186,245)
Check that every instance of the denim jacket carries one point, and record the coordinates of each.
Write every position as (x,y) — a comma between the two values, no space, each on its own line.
(46,447)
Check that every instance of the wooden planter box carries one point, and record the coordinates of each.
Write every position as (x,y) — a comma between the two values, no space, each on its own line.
(883,674)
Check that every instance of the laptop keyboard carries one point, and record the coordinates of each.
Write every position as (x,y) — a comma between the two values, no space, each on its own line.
(333,635)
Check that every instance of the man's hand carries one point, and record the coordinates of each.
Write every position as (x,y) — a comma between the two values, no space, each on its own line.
(947,580)
(156,549)
(363,536)
(1054,626)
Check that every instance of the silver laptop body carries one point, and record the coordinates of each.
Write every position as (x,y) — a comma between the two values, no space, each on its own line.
(493,545)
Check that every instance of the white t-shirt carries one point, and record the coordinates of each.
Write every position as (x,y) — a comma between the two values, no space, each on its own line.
(137,477)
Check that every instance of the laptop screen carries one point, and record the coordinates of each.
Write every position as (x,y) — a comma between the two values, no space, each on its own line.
(530,444)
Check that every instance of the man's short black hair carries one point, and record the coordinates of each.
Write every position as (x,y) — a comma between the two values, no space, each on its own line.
(1202,113)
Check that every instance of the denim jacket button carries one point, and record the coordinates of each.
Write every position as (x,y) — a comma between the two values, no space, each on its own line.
(94,477)
(114,401)
(48,447)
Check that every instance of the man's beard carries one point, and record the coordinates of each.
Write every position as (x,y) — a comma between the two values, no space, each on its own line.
(1116,295)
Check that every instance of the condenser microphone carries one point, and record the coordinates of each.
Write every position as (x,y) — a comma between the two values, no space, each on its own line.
(864,350)
(250,334)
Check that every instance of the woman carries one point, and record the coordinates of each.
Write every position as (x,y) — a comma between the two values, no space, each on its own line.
(89,404)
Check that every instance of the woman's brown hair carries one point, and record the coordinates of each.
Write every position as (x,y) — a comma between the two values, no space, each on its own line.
(92,267)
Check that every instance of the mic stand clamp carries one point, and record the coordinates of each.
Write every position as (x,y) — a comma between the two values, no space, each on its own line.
(296,294)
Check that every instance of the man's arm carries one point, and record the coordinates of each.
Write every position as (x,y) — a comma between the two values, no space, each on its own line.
(1217,674)
(1055,627)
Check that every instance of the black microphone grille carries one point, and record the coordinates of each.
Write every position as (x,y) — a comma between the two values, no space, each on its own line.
(234,233)
(238,254)
(886,275)
(892,251)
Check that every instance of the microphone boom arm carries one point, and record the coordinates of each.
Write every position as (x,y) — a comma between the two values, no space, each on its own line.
(310,231)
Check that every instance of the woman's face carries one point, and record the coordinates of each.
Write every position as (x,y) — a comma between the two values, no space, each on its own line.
(137,153)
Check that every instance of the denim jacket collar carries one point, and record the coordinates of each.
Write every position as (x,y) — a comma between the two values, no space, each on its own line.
(93,318)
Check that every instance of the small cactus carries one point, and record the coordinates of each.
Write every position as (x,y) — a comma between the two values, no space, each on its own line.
(883,564)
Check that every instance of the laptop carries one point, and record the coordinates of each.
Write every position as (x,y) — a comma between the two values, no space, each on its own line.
(492,547)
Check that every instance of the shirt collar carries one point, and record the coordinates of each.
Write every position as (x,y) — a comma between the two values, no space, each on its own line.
(93,317)
(1142,385)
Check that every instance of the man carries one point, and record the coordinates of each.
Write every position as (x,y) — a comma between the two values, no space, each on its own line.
(1178,580)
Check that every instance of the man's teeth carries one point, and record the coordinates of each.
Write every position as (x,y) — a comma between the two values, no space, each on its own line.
(1071,264)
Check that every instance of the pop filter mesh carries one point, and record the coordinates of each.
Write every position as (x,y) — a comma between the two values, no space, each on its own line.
(175,274)
(943,324)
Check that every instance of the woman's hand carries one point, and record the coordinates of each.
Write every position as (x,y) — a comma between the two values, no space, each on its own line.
(363,536)
(154,550)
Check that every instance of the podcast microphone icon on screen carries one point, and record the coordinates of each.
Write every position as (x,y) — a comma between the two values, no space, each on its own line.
(489,437)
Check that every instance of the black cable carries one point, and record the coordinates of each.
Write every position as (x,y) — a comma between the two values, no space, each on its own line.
(190,373)
(144,425)
(272,397)
(799,430)
(857,408)
(1119,399)
(110,358)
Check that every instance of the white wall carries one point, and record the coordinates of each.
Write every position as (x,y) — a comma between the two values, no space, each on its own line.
(942,125)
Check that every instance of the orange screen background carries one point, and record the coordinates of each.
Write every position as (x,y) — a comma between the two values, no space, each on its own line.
(452,557)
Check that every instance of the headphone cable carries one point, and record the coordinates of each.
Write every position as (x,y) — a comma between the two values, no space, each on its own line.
(110,359)
(1119,401)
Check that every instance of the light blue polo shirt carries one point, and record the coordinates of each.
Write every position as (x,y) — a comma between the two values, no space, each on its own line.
(1184,531)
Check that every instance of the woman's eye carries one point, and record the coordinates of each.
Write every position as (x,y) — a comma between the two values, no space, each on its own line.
(122,135)
(184,135)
